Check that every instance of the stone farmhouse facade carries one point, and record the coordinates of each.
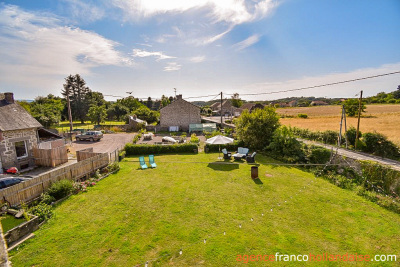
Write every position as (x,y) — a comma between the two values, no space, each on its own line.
(179,113)
(18,134)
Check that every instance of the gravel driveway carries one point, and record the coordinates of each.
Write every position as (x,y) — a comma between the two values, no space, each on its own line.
(108,143)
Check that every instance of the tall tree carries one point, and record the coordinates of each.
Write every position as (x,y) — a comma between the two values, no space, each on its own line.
(75,87)
(117,110)
(256,129)
(396,94)
(131,103)
(47,110)
(351,107)
(149,102)
(236,101)
(97,114)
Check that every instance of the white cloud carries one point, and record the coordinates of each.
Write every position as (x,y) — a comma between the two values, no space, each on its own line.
(172,66)
(143,53)
(84,10)
(231,11)
(370,86)
(197,59)
(248,42)
(36,47)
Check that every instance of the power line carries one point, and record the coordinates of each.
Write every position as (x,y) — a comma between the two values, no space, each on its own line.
(323,85)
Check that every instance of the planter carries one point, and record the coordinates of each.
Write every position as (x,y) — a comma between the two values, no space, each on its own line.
(21,230)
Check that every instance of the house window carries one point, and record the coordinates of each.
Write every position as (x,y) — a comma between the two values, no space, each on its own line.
(20,149)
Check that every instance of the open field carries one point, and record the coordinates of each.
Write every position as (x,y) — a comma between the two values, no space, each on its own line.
(64,125)
(136,216)
(384,119)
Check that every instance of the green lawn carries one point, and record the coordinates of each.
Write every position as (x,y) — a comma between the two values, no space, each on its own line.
(64,125)
(136,216)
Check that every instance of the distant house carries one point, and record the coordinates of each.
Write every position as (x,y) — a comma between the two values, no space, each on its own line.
(282,105)
(18,134)
(293,103)
(179,113)
(227,108)
(136,124)
(251,106)
(318,103)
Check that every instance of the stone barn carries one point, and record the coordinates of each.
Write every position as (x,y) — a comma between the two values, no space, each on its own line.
(18,134)
(179,113)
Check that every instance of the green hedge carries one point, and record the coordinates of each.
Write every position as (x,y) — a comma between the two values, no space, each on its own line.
(132,149)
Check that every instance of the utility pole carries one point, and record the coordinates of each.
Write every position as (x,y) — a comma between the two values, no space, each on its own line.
(175,92)
(345,127)
(221,111)
(359,115)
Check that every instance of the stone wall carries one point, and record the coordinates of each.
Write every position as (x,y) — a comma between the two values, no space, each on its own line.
(179,113)
(21,230)
(7,148)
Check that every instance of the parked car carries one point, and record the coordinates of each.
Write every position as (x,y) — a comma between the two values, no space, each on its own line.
(89,136)
(11,180)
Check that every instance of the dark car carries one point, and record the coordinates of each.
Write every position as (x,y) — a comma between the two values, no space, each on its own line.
(90,136)
(11,180)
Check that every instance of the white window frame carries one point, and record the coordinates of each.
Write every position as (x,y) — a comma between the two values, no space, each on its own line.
(26,150)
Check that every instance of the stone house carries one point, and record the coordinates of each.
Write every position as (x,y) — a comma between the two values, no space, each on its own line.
(136,124)
(227,108)
(179,113)
(252,106)
(18,134)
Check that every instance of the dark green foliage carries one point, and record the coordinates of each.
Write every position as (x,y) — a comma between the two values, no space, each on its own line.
(79,96)
(286,147)
(144,113)
(360,145)
(60,189)
(329,137)
(47,199)
(352,134)
(301,115)
(317,154)
(215,148)
(132,149)
(43,211)
(379,178)
(257,128)
(378,144)
(351,106)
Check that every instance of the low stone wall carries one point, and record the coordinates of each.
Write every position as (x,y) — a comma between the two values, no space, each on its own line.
(21,230)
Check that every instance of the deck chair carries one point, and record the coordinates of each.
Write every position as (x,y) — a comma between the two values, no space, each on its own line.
(151,161)
(142,163)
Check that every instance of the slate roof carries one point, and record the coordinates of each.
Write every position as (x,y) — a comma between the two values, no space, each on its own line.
(15,117)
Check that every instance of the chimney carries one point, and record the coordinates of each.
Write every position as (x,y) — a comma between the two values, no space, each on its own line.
(178,97)
(9,97)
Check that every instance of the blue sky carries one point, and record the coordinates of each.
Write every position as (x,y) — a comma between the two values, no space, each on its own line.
(200,47)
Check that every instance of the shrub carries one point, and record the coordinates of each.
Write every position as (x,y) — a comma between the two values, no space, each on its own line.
(43,211)
(318,155)
(360,145)
(194,138)
(121,155)
(47,199)
(378,144)
(159,149)
(329,137)
(113,167)
(302,115)
(256,129)
(352,134)
(60,189)
(285,146)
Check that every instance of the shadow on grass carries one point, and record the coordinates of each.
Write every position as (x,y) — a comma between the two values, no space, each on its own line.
(223,166)
(257,181)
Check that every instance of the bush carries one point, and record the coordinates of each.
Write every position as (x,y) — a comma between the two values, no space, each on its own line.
(194,138)
(329,137)
(256,129)
(159,149)
(360,145)
(352,134)
(378,144)
(301,115)
(121,155)
(60,189)
(317,155)
(285,146)
(47,199)
(43,211)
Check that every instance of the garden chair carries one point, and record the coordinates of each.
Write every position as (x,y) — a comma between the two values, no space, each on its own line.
(227,155)
(151,161)
(142,163)
(251,159)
